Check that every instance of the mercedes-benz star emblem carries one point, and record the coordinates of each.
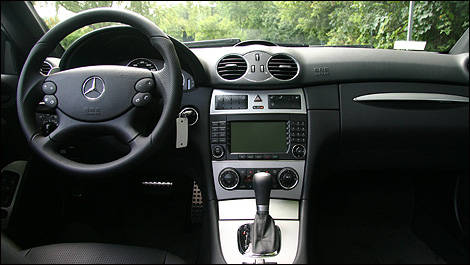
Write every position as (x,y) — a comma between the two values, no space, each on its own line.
(93,88)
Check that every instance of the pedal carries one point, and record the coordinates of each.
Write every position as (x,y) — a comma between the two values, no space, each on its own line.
(197,205)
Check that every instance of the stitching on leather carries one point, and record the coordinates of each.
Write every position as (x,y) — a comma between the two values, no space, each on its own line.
(27,252)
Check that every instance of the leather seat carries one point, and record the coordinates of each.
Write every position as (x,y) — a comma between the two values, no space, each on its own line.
(86,253)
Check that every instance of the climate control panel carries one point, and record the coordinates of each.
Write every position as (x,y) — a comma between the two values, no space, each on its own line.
(242,178)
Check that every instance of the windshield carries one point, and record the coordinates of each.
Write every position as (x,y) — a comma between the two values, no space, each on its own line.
(325,23)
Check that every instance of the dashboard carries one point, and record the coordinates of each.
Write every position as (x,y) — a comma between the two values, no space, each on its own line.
(295,111)
(360,95)
(268,66)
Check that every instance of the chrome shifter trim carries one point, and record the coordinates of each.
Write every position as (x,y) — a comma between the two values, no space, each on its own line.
(262,208)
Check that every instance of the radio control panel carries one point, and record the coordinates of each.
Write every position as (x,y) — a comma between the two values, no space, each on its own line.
(258,137)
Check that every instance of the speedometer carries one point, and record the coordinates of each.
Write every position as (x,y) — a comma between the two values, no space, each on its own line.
(143,63)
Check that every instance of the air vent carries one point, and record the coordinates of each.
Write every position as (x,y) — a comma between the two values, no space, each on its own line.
(282,67)
(232,67)
(45,68)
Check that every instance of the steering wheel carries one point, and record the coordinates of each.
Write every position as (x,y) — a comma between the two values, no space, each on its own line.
(98,100)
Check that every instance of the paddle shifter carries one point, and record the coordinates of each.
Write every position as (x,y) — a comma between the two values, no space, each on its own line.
(262,235)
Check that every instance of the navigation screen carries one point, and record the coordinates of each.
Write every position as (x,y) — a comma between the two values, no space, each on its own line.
(258,137)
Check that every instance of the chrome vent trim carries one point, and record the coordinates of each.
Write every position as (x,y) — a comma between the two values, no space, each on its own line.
(45,68)
(283,67)
(232,67)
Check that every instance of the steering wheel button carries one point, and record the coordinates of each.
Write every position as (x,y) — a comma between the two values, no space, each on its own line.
(144,85)
(49,88)
(147,97)
(50,101)
(141,99)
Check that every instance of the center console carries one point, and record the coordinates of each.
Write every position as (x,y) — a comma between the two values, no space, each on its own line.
(254,132)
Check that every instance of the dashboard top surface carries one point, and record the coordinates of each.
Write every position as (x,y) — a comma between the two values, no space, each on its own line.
(316,65)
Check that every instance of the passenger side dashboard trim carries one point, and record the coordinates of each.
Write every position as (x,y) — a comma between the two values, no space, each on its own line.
(411,97)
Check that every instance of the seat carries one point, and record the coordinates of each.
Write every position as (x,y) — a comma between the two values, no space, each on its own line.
(86,253)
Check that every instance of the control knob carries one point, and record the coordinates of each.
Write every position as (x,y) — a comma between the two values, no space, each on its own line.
(217,151)
(288,178)
(229,178)
(298,151)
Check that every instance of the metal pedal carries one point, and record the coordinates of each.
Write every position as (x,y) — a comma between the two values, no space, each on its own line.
(197,204)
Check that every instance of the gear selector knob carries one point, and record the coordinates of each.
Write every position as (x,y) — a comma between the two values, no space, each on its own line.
(262,182)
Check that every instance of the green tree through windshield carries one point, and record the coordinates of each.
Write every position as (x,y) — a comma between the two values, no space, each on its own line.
(378,24)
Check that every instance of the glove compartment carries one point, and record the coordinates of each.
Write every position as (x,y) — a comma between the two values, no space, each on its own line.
(403,125)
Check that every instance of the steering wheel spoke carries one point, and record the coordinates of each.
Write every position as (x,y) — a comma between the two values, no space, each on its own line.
(120,127)
(44,143)
(31,91)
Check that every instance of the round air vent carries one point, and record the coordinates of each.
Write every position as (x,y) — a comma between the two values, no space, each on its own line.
(231,67)
(283,67)
(45,68)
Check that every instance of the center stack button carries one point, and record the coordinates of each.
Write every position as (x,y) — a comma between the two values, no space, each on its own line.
(217,151)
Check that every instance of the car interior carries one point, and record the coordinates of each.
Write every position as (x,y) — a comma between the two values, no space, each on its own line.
(133,147)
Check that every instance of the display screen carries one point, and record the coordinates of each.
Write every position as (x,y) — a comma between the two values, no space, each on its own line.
(258,137)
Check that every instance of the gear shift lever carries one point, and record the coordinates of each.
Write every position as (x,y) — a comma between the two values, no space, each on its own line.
(262,182)
(264,234)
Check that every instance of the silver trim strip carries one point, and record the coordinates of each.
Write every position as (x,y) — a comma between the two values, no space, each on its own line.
(411,97)
(157,183)
(262,208)
(222,194)
(264,101)
(245,209)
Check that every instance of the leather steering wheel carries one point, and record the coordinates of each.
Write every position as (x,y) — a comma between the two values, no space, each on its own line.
(100,99)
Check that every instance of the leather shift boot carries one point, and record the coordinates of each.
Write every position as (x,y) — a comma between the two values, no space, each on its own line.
(265,235)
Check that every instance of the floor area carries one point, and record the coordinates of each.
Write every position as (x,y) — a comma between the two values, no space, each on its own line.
(369,221)
(142,216)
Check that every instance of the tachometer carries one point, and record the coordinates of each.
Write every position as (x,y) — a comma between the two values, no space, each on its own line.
(143,63)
